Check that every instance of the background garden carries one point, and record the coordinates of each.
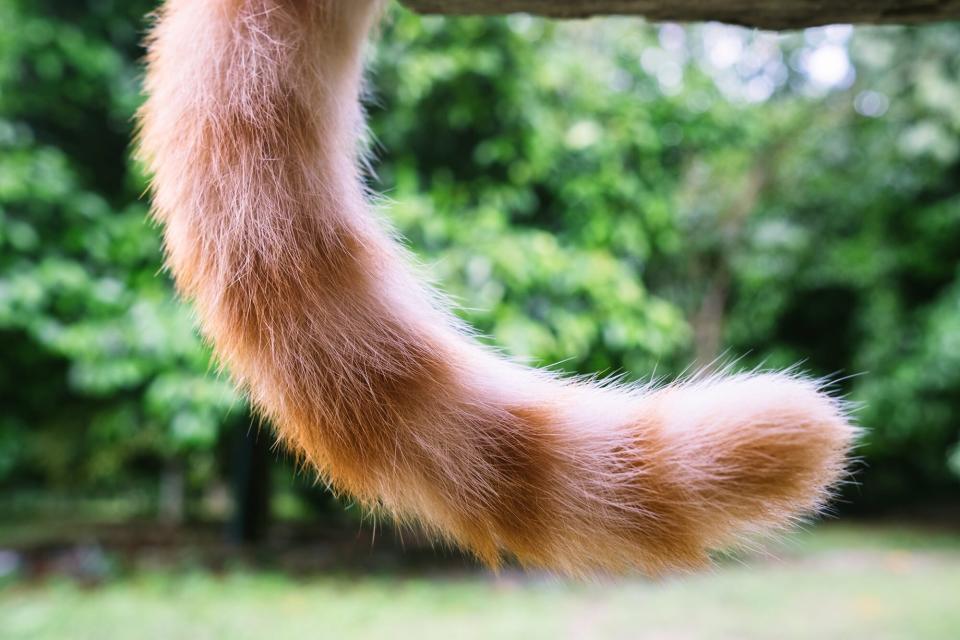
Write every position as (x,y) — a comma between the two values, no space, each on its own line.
(604,195)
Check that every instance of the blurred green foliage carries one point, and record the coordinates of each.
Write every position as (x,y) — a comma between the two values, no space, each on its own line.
(101,367)
(604,196)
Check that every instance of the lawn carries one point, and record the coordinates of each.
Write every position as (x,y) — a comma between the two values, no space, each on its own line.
(838,581)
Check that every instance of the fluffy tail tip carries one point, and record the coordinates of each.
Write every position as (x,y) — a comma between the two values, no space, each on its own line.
(759,452)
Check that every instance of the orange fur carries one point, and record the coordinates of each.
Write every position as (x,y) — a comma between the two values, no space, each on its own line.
(251,132)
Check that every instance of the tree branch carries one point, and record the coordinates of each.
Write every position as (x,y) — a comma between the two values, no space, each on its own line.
(782,14)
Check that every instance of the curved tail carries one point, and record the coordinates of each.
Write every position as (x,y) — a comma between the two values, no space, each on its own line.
(251,130)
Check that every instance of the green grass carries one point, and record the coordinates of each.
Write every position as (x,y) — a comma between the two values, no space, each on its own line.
(836,582)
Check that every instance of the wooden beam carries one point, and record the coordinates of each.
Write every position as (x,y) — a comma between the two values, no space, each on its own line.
(766,14)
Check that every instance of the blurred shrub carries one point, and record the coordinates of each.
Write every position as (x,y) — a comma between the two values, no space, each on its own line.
(599,196)
(101,368)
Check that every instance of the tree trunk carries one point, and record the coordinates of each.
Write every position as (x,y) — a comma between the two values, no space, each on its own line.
(251,487)
(710,319)
(172,506)
(786,14)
